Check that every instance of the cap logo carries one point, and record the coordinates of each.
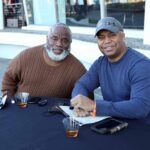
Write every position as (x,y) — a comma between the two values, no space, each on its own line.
(111,23)
(107,23)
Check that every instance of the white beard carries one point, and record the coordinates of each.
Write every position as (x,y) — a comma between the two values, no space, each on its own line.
(55,57)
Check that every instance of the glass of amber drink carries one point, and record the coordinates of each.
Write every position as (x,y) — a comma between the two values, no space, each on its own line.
(22,99)
(71,126)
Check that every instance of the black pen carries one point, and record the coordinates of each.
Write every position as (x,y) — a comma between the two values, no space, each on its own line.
(93,113)
(71,107)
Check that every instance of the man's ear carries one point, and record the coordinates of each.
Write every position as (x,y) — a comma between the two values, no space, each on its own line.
(47,38)
(123,35)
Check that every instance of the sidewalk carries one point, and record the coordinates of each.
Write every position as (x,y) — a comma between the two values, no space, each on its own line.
(134,37)
(84,44)
(13,41)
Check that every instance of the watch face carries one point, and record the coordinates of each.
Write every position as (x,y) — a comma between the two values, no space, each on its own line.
(3,101)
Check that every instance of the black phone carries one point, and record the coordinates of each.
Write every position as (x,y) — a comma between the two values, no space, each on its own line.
(34,100)
(109,125)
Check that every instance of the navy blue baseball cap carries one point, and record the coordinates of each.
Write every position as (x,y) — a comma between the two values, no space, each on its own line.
(110,24)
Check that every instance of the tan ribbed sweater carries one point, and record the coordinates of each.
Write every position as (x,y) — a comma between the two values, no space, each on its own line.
(29,72)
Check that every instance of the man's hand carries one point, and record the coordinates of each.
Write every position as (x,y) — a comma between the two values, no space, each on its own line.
(81,113)
(83,106)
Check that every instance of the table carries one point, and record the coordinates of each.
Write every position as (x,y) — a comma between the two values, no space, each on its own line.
(33,128)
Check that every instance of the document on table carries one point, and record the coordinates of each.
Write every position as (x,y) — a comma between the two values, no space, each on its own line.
(82,120)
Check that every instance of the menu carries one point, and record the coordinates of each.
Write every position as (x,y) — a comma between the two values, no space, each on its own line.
(81,120)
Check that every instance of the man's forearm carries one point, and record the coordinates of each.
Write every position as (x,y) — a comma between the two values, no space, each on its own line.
(126,109)
(8,86)
(79,89)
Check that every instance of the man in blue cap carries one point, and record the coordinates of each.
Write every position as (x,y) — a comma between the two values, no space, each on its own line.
(122,73)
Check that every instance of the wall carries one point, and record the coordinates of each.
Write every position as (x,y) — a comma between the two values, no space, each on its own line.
(147,23)
(45,14)
(1,15)
(62,11)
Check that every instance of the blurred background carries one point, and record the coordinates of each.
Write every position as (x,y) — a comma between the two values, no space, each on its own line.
(18,13)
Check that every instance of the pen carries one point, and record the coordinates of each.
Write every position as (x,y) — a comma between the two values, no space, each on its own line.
(71,107)
(92,113)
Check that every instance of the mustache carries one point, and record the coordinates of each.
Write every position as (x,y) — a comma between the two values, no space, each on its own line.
(48,48)
(109,45)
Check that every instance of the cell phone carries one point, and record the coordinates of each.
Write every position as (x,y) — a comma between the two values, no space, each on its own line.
(109,125)
(34,100)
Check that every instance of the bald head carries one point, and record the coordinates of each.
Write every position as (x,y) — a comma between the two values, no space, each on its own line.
(64,29)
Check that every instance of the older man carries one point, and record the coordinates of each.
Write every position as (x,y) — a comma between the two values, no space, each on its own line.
(122,73)
(45,70)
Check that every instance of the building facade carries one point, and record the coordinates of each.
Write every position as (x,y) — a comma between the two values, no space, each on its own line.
(18,13)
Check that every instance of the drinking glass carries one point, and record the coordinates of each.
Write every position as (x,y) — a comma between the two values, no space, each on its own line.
(71,126)
(22,99)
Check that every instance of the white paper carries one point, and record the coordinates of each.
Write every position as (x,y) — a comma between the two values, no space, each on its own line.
(82,120)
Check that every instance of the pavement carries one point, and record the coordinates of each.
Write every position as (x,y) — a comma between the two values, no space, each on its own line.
(84,46)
